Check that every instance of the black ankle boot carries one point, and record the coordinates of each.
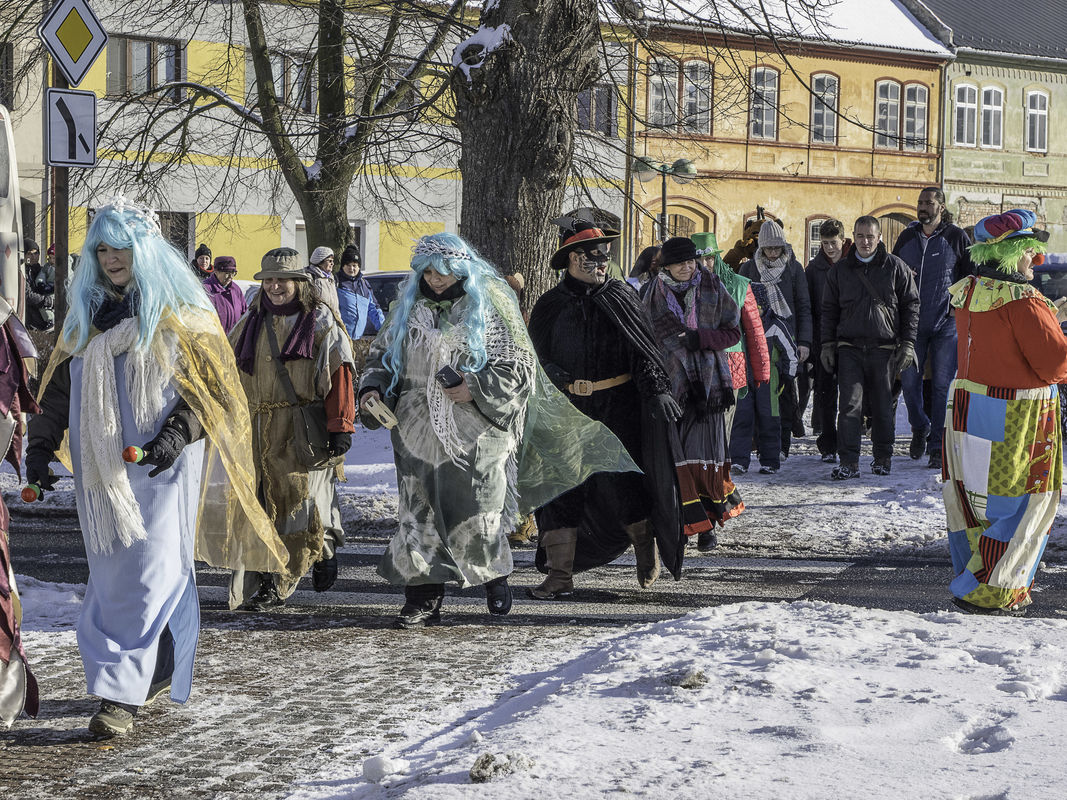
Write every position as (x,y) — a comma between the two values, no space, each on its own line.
(324,573)
(498,596)
(422,606)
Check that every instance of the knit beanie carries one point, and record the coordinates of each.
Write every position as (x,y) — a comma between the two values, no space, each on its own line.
(677,250)
(202,250)
(350,254)
(771,235)
(226,264)
(320,254)
(30,244)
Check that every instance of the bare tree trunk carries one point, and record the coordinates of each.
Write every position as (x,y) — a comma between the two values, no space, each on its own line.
(517,118)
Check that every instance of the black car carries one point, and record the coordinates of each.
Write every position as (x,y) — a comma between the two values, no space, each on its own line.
(385,286)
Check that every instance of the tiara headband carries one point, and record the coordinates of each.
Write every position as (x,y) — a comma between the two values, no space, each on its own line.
(431,247)
(122,204)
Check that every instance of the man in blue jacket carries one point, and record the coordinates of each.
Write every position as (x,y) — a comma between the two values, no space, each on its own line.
(936,251)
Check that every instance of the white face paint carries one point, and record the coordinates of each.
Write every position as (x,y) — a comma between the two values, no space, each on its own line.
(590,266)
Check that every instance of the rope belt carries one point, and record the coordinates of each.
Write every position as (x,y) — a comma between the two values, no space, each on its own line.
(582,388)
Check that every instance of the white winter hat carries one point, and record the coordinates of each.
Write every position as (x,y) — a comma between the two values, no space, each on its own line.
(771,235)
(321,254)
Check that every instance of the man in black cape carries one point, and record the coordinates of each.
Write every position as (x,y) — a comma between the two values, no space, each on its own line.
(594,340)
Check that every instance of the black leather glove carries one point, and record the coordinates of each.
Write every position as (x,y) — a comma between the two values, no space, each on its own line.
(828,356)
(559,377)
(164,450)
(38,474)
(692,340)
(903,358)
(665,408)
(340,443)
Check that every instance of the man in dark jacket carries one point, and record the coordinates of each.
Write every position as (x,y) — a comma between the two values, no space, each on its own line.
(936,251)
(833,247)
(40,289)
(870,312)
(595,342)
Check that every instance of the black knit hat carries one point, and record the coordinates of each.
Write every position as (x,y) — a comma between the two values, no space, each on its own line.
(29,244)
(676,250)
(350,254)
(202,250)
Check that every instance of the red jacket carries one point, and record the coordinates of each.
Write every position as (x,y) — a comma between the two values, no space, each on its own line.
(755,350)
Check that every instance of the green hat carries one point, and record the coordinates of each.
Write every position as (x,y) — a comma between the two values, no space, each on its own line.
(707,244)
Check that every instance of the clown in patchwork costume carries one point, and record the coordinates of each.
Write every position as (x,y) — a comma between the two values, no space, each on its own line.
(1003,461)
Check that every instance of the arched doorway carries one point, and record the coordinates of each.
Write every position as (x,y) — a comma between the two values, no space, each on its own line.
(892,226)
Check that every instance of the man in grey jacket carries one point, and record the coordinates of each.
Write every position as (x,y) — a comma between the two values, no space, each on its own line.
(870,313)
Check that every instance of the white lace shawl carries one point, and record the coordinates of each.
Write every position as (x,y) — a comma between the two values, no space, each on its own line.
(110,509)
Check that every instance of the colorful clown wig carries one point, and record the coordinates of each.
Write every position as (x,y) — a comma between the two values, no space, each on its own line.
(447,254)
(1001,240)
(162,279)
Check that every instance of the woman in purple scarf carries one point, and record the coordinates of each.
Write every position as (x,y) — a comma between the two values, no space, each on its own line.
(695,319)
(225,294)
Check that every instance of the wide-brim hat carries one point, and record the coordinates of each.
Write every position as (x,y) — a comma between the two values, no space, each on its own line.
(580,238)
(283,263)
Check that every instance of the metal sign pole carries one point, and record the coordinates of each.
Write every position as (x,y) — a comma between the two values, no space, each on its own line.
(61,228)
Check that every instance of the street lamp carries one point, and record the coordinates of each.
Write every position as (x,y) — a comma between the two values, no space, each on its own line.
(683,171)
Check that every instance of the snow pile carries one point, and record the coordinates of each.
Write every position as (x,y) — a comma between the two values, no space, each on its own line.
(802,700)
(48,607)
(472,51)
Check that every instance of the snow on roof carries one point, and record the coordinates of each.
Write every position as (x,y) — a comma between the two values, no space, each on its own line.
(877,24)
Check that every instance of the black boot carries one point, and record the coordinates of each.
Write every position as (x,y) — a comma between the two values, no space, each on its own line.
(324,573)
(498,596)
(267,597)
(422,606)
(707,541)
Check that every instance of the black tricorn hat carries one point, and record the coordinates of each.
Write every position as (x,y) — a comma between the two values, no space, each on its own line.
(578,233)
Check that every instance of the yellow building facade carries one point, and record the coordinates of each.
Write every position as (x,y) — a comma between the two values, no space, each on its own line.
(806,132)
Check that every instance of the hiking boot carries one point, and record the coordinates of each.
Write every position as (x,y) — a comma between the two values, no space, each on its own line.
(918,444)
(842,472)
(768,470)
(829,458)
(113,719)
(267,597)
(559,545)
(935,460)
(324,573)
(422,606)
(157,690)
(498,596)
(881,466)
(738,469)
(707,541)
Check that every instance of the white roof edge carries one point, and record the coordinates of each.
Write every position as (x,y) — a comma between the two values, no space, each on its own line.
(963,50)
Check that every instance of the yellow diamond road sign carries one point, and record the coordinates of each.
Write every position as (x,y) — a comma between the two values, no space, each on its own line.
(74,37)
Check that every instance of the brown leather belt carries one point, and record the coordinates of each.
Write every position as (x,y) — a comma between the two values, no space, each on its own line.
(582,388)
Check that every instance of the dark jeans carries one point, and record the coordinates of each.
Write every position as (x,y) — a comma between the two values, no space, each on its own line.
(940,348)
(787,411)
(825,407)
(864,372)
(753,416)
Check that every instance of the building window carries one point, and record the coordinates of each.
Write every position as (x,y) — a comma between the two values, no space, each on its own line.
(138,66)
(598,110)
(814,238)
(1037,122)
(7,74)
(887,114)
(915,102)
(992,117)
(824,109)
(763,117)
(696,97)
(680,225)
(294,81)
(662,93)
(966,115)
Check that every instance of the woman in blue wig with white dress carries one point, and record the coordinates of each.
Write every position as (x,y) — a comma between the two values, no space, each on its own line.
(142,360)
(482,435)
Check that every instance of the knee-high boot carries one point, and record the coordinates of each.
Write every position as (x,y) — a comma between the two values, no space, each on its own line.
(559,548)
(644,543)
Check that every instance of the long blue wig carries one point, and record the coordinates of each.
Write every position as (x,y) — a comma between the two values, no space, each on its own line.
(447,254)
(163,280)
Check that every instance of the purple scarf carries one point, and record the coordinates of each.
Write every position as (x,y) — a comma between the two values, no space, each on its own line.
(299,344)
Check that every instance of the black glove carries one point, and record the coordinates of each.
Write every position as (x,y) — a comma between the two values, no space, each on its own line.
(903,358)
(38,473)
(340,443)
(691,340)
(164,450)
(828,356)
(665,408)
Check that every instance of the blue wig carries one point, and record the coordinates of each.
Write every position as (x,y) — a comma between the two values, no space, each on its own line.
(161,277)
(447,254)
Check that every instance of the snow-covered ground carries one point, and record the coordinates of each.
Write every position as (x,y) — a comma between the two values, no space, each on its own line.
(751,700)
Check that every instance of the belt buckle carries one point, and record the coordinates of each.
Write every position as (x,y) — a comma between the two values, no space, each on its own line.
(583,388)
